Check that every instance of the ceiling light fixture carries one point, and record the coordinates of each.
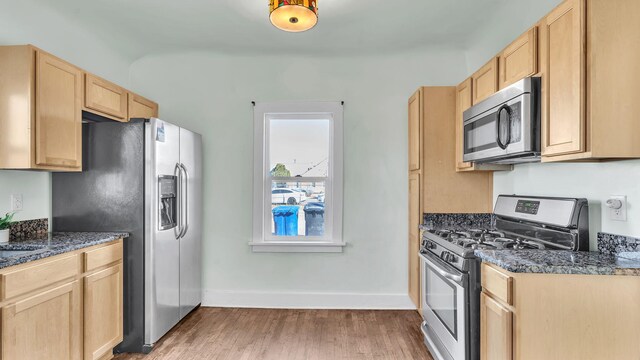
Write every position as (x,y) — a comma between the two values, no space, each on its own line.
(293,15)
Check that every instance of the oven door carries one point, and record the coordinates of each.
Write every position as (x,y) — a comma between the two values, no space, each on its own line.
(444,306)
(501,131)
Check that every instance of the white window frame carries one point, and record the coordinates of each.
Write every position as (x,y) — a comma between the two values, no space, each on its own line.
(263,240)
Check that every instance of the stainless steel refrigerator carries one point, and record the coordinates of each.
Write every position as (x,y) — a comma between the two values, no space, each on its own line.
(145,178)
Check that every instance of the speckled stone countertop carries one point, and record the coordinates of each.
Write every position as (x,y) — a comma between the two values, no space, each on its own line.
(563,262)
(23,251)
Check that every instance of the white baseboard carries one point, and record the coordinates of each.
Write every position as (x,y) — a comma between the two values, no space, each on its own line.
(297,300)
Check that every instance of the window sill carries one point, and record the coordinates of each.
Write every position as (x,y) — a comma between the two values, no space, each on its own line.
(296,247)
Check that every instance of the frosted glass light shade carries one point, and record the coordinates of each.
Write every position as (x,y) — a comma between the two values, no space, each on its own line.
(293,15)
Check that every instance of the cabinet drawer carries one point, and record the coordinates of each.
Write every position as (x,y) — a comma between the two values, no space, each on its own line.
(30,278)
(103,256)
(497,283)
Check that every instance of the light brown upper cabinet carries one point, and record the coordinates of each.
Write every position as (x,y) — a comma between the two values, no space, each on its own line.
(464,99)
(415,134)
(563,130)
(105,98)
(589,64)
(485,81)
(140,107)
(519,60)
(41,102)
(58,116)
(443,189)
(40,111)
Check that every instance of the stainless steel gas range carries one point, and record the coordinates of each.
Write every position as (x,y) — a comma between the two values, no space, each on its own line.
(451,272)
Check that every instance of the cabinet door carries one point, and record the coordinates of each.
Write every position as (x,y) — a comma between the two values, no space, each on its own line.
(58,120)
(485,81)
(105,98)
(496,330)
(102,312)
(140,107)
(464,97)
(520,59)
(45,326)
(563,115)
(415,218)
(415,133)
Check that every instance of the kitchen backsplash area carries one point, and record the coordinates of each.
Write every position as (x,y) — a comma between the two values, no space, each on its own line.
(28,229)
(596,182)
(616,244)
(457,221)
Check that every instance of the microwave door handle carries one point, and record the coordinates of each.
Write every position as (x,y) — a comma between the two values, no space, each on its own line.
(503,145)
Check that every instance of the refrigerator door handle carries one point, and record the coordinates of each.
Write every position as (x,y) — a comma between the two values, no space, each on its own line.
(178,230)
(186,200)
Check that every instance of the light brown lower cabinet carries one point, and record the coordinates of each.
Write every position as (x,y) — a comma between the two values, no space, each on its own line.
(558,316)
(56,308)
(495,330)
(415,218)
(46,325)
(102,312)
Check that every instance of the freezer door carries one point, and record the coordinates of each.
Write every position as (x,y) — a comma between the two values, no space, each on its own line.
(162,248)
(191,241)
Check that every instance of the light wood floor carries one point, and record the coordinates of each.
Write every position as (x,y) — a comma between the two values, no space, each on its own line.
(234,334)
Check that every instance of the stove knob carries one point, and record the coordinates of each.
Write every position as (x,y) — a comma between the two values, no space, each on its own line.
(431,245)
(449,257)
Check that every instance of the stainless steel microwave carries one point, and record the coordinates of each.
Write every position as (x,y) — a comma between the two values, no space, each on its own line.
(505,128)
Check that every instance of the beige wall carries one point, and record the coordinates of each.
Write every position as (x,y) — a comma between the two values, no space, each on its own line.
(211,93)
(24,22)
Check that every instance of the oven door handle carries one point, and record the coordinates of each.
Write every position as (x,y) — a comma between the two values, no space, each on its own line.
(457,278)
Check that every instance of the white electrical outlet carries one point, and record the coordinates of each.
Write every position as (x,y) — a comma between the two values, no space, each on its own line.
(617,205)
(16,202)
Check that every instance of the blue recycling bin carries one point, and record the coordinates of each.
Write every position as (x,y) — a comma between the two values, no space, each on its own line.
(285,219)
(314,219)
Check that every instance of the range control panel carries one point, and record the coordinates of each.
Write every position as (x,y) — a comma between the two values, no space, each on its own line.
(527,207)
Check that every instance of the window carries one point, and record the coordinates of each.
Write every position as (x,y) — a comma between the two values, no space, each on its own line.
(297,177)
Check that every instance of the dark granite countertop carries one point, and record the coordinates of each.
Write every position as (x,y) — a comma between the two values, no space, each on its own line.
(563,262)
(51,244)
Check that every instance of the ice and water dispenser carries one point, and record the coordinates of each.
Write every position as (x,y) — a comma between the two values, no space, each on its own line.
(167,194)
